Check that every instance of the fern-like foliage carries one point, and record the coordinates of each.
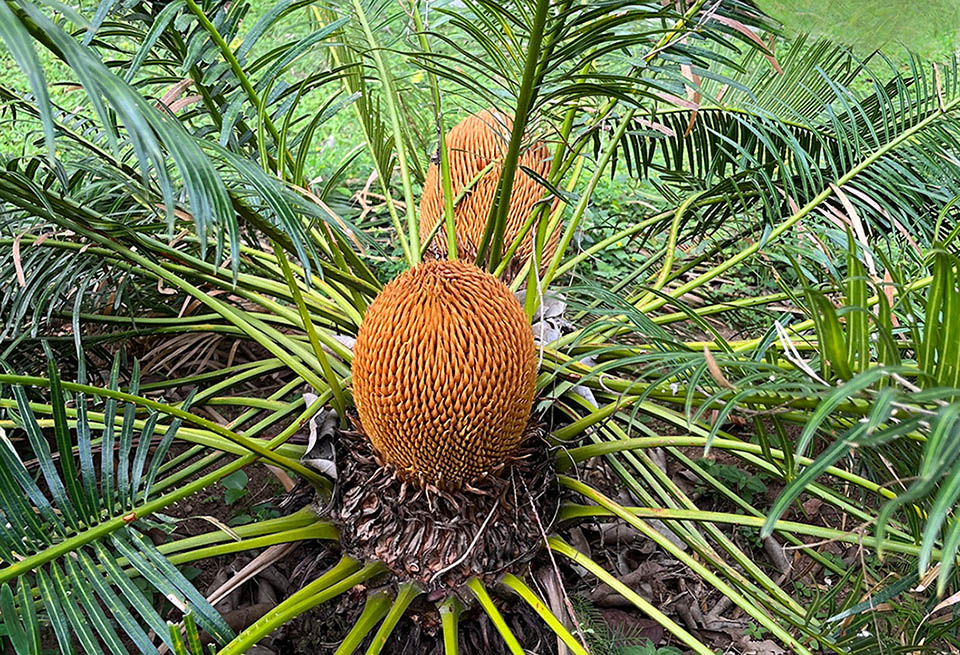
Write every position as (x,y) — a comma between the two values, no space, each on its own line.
(70,537)
(197,151)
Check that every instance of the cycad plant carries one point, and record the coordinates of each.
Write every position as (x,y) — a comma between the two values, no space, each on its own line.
(492,433)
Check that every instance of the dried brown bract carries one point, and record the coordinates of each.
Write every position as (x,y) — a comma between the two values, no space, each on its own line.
(440,539)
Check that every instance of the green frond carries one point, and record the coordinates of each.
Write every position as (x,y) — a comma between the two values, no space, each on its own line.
(65,561)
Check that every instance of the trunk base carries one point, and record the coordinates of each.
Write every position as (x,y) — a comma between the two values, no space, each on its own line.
(440,539)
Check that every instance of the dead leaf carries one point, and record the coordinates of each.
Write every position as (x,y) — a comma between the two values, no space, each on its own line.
(747,32)
(722,92)
(657,127)
(164,291)
(184,102)
(676,100)
(927,578)
(230,532)
(628,623)
(765,647)
(693,93)
(857,225)
(174,92)
(812,507)
(280,474)
(714,369)
(17,265)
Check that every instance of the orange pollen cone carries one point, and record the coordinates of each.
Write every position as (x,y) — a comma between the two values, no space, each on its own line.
(444,373)
(474,144)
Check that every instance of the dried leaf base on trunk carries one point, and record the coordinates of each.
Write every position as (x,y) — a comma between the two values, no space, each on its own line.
(440,539)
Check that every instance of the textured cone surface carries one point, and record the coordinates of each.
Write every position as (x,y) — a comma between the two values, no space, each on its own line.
(444,373)
(472,144)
